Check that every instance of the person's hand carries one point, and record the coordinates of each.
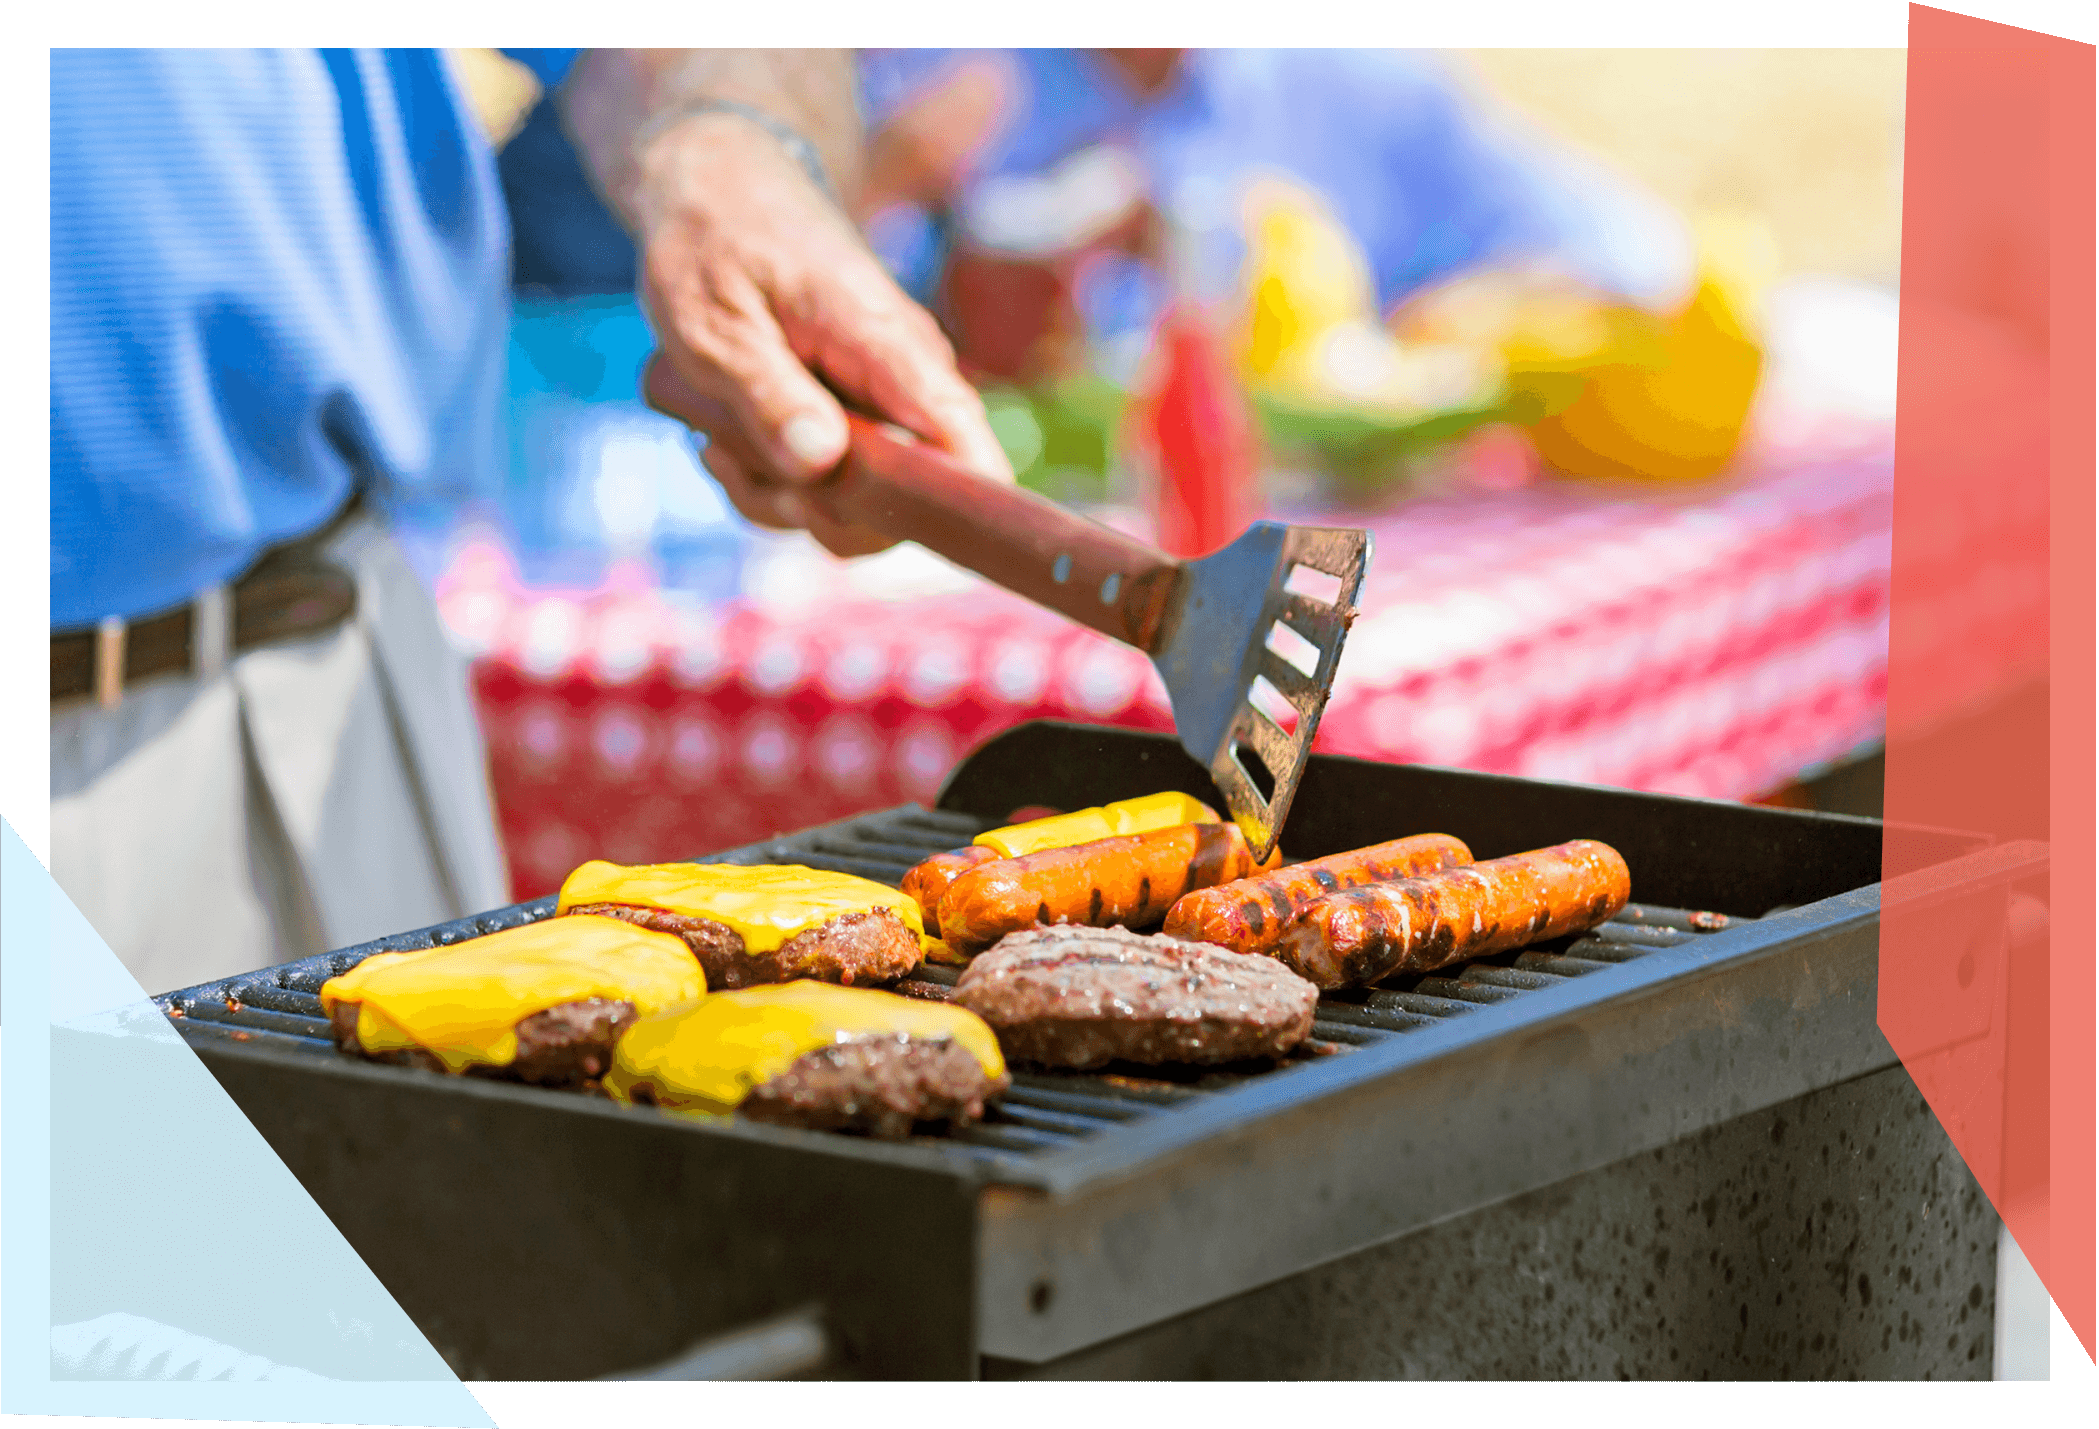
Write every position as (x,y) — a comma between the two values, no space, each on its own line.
(762,297)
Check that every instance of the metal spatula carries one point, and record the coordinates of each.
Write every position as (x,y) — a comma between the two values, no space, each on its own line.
(1246,639)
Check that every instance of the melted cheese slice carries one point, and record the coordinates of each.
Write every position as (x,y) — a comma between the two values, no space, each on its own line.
(462,1003)
(708,1057)
(767,904)
(1125,816)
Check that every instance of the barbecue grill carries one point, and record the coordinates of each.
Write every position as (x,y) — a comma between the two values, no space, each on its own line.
(1677,1145)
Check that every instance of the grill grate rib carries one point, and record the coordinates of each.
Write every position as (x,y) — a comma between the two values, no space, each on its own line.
(1044,1109)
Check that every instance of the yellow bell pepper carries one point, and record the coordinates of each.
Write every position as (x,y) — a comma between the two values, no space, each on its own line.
(1666,397)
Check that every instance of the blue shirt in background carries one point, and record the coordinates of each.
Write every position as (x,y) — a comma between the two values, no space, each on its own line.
(274,275)
(1430,178)
(565,243)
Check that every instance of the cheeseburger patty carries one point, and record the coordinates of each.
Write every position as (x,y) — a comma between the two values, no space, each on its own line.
(883,1086)
(874,946)
(564,1046)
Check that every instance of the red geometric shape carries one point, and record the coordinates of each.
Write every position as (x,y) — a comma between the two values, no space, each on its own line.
(1990,668)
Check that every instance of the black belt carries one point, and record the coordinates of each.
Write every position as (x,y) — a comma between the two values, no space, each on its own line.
(290,591)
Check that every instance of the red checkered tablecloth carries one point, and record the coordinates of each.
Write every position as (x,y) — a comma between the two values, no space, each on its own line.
(1716,641)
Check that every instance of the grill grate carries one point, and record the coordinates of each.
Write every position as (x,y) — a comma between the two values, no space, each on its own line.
(1045,1110)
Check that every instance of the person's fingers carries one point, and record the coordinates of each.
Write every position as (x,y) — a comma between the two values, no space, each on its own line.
(665,388)
(781,508)
(729,457)
(843,540)
(729,461)
(773,507)
(723,340)
(886,353)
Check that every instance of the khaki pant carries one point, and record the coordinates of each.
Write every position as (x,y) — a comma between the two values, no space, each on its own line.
(313,794)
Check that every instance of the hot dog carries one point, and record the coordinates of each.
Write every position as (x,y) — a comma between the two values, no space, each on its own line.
(929,881)
(1129,881)
(1250,916)
(1362,935)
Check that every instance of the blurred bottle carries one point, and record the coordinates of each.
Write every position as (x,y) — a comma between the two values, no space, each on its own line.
(1195,422)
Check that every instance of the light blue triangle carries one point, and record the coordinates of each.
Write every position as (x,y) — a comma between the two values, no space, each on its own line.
(185,1271)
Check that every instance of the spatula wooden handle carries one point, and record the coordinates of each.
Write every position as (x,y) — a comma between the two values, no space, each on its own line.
(1025,542)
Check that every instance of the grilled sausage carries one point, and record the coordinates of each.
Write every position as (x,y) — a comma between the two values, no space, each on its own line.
(1362,935)
(929,881)
(1250,916)
(1130,880)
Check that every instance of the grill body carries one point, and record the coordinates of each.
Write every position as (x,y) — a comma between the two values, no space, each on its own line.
(540,1235)
(1834,1236)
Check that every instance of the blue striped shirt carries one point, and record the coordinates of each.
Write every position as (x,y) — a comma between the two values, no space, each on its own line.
(274,274)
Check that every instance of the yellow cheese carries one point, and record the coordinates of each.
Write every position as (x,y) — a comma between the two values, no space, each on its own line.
(767,904)
(1125,816)
(708,1057)
(462,1003)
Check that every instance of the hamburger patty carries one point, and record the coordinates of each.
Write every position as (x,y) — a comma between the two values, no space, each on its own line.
(1083,997)
(564,1046)
(871,947)
(879,1085)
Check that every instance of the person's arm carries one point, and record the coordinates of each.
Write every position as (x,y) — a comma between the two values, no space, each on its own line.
(760,290)
(611,96)
(919,151)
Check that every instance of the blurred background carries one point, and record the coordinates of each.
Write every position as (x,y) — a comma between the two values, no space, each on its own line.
(1601,345)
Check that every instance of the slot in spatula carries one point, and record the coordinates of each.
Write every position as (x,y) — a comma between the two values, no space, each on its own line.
(1259,622)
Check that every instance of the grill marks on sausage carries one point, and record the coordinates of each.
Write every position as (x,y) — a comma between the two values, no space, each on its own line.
(1415,925)
(1130,880)
(928,880)
(1213,855)
(875,946)
(1251,915)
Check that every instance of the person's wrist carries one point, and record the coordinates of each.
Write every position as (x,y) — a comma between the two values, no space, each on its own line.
(707,162)
(673,130)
